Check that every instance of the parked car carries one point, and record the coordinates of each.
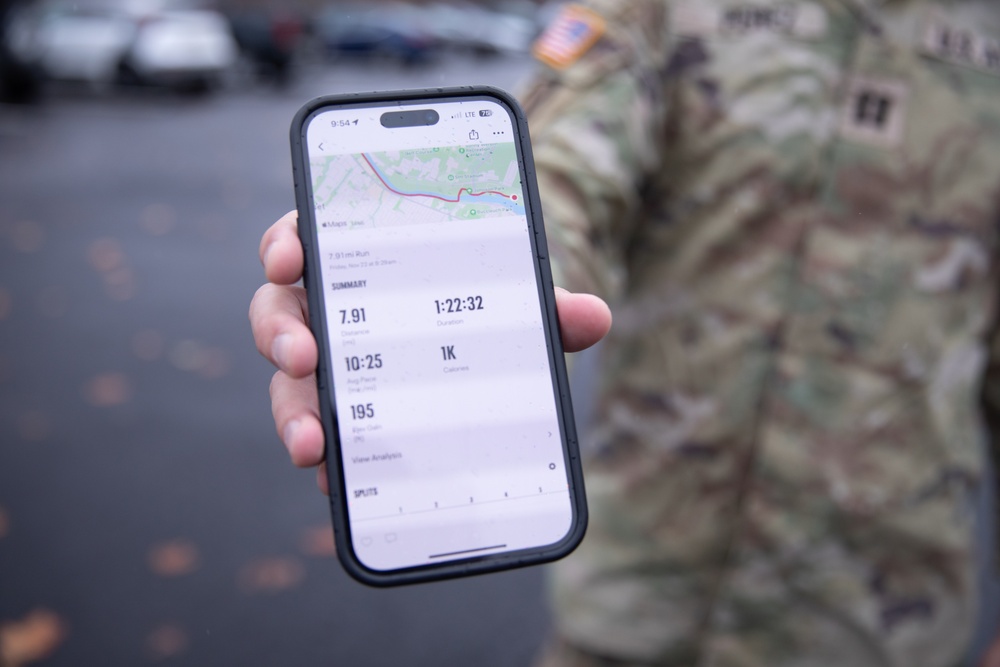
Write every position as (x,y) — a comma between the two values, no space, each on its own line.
(19,81)
(270,41)
(396,32)
(482,31)
(185,49)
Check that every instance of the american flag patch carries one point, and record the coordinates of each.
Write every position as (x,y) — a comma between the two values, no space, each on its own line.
(574,30)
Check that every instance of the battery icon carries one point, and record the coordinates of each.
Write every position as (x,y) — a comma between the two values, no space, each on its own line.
(485,112)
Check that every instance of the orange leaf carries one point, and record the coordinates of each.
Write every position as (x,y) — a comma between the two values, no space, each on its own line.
(167,640)
(108,390)
(174,558)
(318,541)
(31,639)
(271,575)
(105,255)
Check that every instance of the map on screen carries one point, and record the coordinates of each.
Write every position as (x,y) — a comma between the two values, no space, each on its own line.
(418,186)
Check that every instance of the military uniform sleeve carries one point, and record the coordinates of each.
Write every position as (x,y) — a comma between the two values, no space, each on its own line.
(598,127)
(991,412)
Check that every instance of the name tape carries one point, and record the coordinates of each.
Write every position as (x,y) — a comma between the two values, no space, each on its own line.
(802,20)
(961,46)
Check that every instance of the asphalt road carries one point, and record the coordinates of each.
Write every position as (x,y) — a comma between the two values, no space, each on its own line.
(148,513)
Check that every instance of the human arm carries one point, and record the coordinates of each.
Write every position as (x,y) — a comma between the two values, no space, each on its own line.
(599,133)
(992,657)
(991,413)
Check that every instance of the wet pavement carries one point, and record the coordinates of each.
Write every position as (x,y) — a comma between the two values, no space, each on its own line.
(148,513)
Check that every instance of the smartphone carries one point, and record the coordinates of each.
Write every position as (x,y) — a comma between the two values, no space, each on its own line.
(451,445)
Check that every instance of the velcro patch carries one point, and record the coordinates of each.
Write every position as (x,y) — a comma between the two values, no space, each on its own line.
(875,111)
(570,35)
(805,20)
(961,46)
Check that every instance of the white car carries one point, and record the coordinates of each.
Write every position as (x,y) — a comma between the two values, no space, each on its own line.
(484,31)
(185,49)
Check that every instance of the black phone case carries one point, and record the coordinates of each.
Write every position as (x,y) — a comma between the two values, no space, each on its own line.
(311,277)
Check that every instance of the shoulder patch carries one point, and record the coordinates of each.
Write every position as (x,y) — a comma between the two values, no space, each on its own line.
(570,35)
(960,46)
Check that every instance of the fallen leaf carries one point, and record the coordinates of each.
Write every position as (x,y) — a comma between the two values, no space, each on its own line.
(108,258)
(174,558)
(167,640)
(196,357)
(157,219)
(271,575)
(216,364)
(189,355)
(31,639)
(105,255)
(120,284)
(318,541)
(108,390)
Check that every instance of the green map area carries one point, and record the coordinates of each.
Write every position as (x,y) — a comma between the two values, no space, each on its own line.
(417,186)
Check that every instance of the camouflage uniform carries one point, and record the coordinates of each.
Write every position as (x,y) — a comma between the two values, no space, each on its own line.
(793,208)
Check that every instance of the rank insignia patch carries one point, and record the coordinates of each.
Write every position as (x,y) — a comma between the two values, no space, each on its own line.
(569,36)
(875,112)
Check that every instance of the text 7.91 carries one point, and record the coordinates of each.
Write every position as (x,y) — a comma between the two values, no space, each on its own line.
(352,316)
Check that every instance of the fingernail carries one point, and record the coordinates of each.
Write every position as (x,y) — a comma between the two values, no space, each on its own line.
(290,429)
(281,349)
(267,251)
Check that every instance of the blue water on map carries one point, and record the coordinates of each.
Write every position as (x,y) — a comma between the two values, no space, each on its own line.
(465,197)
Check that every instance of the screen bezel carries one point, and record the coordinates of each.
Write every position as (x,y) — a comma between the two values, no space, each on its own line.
(311,278)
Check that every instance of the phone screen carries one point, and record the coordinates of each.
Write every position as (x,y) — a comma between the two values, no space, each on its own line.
(447,410)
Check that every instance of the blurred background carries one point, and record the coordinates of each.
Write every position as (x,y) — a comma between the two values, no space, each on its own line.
(148,512)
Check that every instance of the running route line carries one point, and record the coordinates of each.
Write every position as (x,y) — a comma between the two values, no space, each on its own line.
(456,200)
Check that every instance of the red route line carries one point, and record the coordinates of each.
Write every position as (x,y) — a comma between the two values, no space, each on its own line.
(456,200)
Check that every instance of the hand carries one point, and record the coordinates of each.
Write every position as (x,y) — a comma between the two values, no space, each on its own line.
(992,657)
(279,316)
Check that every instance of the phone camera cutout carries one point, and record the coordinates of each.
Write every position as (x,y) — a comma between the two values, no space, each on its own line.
(416,118)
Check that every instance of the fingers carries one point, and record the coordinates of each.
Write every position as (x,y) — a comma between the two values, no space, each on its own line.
(279,315)
(295,407)
(322,480)
(281,251)
(583,318)
(992,657)
(278,320)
